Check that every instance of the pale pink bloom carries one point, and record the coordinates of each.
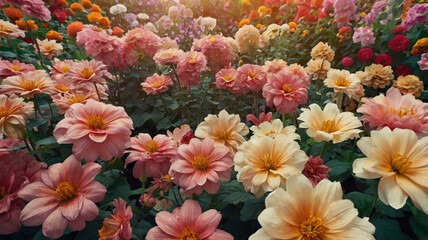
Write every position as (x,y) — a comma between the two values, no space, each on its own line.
(344,11)
(395,111)
(8,69)
(165,56)
(117,226)
(274,66)
(64,101)
(188,222)
(217,51)
(62,84)
(152,156)
(28,84)
(34,8)
(163,183)
(299,71)
(140,40)
(252,77)
(168,43)
(61,67)
(189,68)
(13,111)
(364,35)
(89,72)
(263,117)
(423,63)
(200,165)
(286,91)
(178,133)
(10,30)
(174,12)
(49,48)
(188,13)
(96,130)
(64,197)
(315,171)
(157,84)
(164,23)
(228,79)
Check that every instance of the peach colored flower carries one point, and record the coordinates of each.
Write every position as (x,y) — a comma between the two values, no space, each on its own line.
(299,71)
(251,77)
(323,51)
(88,72)
(8,29)
(201,165)
(342,81)
(62,84)
(64,197)
(156,84)
(189,68)
(152,156)
(315,171)
(329,124)
(225,129)
(264,164)
(273,129)
(400,160)
(162,183)
(188,222)
(13,111)
(140,40)
(8,69)
(96,130)
(228,79)
(49,48)
(286,91)
(409,84)
(395,111)
(165,56)
(263,117)
(168,43)
(65,100)
(318,68)
(28,84)
(274,66)
(61,67)
(304,212)
(376,76)
(117,226)
(178,133)
(248,38)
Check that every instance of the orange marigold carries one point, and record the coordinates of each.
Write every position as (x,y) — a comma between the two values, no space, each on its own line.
(54,35)
(13,14)
(117,31)
(421,46)
(95,8)
(104,22)
(253,14)
(94,17)
(86,4)
(70,12)
(243,22)
(77,7)
(22,25)
(74,28)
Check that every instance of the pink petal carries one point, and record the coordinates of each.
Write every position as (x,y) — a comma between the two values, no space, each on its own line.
(168,223)
(207,222)
(37,210)
(98,137)
(71,209)
(35,190)
(190,211)
(54,225)
(156,233)
(94,191)
(220,234)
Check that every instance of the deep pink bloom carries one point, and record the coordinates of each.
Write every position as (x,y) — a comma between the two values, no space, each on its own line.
(188,222)
(384,58)
(399,43)
(315,171)
(200,165)
(64,196)
(156,84)
(365,54)
(96,130)
(347,61)
(140,41)
(61,15)
(252,77)
(216,50)
(403,70)
(189,68)
(399,29)
(117,226)
(89,72)
(13,68)
(34,8)
(263,117)
(286,91)
(228,79)
(152,156)
(395,111)
(344,11)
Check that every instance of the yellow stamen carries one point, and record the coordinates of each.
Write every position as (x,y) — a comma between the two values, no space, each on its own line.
(151,146)
(400,163)
(76,99)
(312,227)
(95,122)
(287,88)
(15,68)
(87,72)
(29,85)
(329,126)
(252,75)
(3,112)
(201,162)
(268,162)
(65,69)
(212,39)
(228,78)
(342,82)
(188,234)
(156,84)
(2,192)
(167,177)
(65,191)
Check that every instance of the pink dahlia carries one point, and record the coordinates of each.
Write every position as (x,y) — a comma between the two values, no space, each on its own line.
(65,100)
(263,117)
(200,165)
(189,68)
(88,72)
(217,51)
(228,79)
(188,222)
(140,41)
(274,66)
(165,56)
(344,11)
(117,226)
(179,133)
(395,111)
(423,63)
(315,171)
(152,156)
(8,69)
(64,197)
(299,71)
(61,67)
(251,77)
(96,130)
(156,84)
(286,91)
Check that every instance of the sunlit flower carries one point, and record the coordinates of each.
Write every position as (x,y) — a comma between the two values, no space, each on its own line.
(152,156)
(26,25)
(189,68)
(64,197)
(342,81)
(28,84)
(217,51)
(395,111)
(156,84)
(318,68)
(96,130)
(323,51)
(274,66)
(140,40)
(34,8)
(117,226)
(13,68)
(165,56)
(89,72)
(273,129)
(13,14)
(54,35)
(364,35)
(74,28)
(8,29)
(228,79)
(400,160)
(201,165)
(188,222)
(49,48)
(315,171)
(13,112)
(329,124)
(247,38)
(264,164)
(304,212)
(225,129)
(409,84)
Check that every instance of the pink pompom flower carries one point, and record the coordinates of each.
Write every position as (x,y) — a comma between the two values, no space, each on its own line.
(156,84)
(228,79)
(364,35)
(251,77)
(200,165)
(96,130)
(217,51)
(140,40)
(117,226)
(64,197)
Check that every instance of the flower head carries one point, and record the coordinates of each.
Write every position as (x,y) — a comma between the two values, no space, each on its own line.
(377,76)
(318,68)
(273,129)
(117,226)
(179,133)
(34,8)
(399,43)
(165,56)
(247,38)
(409,84)
(13,14)
(251,77)
(29,83)
(189,68)
(228,79)
(263,117)
(8,29)
(74,28)
(217,51)
(364,35)
(323,51)
(342,81)
(49,48)
(274,66)
(315,171)
(73,96)
(156,84)
(88,72)
(365,54)
(140,40)
(384,58)
(8,69)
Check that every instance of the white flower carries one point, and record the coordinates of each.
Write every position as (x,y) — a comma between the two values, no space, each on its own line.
(135,23)
(118,9)
(151,27)
(207,23)
(142,16)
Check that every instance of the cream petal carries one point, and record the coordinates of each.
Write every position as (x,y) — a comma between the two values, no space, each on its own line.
(275,226)
(391,193)
(417,193)
(360,166)
(326,192)
(261,234)
(339,214)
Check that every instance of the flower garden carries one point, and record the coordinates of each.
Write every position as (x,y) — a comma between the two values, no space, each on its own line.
(213,119)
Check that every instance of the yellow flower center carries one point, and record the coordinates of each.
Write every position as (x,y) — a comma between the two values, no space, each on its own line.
(342,82)
(188,234)
(268,162)
(287,88)
(406,112)
(29,85)
(75,99)
(192,59)
(400,163)
(3,112)
(328,126)
(47,47)
(65,191)
(156,84)
(65,69)
(87,72)
(167,177)
(4,28)
(212,39)
(2,192)
(312,227)
(228,78)
(61,87)
(151,146)
(201,162)
(252,75)
(15,68)
(96,122)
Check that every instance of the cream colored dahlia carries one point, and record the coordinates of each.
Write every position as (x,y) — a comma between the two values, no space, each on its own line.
(273,129)
(247,38)
(225,129)
(264,164)
(318,68)
(329,124)
(376,76)
(323,51)
(409,84)
(342,81)
(49,48)
(13,111)
(28,84)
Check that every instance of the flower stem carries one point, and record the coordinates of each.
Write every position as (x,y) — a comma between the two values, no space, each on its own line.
(255,110)
(164,104)
(339,100)
(98,92)
(37,46)
(323,149)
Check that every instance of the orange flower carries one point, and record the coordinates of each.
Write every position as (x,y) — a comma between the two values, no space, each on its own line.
(70,12)
(243,22)
(54,35)
(117,31)
(94,17)
(13,14)
(22,25)
(304,33)
(253,14)
(421,46)
(293,26)
(259,26)
(86,4)
(104,22)
(61,2)
(74,28)
(95,8)
(76,7)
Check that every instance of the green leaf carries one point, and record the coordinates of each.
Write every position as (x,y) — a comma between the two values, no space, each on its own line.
(252,209)
(141,230)
(46,141)
(339,170)
(363,202)
(230,193)
(387,229)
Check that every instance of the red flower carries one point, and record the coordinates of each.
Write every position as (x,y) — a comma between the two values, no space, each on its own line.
(347,61)
(399,43)
(399,29)
(302,11)
(315,171)
(365,54)
(61,15)
(385,59)
(403,70)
